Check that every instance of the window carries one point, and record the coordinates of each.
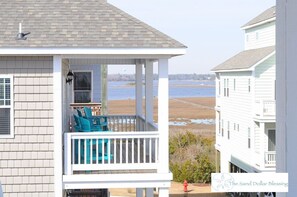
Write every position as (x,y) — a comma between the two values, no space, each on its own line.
(247,38)
(237,127)
(6,107)
(228,132)
(224,87)
(234,84)
(249,138)
(82,87)
(219,87)
(227,87)
(222,128)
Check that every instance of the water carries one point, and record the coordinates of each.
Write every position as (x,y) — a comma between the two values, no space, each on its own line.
(122,90)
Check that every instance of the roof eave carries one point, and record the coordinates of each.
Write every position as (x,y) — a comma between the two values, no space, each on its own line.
(93,51)
(258,24)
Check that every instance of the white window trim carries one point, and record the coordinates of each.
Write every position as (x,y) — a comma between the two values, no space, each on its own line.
(11,135)
(92,85)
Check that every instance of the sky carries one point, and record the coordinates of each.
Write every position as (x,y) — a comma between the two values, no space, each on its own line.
(210,29)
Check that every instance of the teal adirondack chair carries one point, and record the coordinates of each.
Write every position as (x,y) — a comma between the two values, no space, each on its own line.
(98,121)
(84,125)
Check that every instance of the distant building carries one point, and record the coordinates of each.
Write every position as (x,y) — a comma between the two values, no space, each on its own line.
(245,101)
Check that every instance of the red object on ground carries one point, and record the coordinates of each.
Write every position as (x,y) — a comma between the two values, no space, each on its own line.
(185,186)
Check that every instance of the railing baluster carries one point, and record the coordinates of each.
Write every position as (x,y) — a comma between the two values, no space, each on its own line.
(156,149)
(73,151)
(103,150)
(91,151)
(79,151)
(121,150)
(132,150)
(138,150)
(144,150)
(114,150)
(127,143)
(150,150)
(97,151)
(108,151)
(85,151)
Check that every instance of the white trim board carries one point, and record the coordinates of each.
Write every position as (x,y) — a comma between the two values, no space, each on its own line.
(92,51)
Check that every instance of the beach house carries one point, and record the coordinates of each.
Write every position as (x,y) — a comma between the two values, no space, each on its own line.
(51,55)
(245,101)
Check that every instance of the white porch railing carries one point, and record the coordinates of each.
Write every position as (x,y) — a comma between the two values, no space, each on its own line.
(102,151)
(121,122)
(270,159)
(265,108)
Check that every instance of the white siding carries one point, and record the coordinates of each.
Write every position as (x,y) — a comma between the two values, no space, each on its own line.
(265,80)
(237,110)
(257,137)
(96,84)
(26,161)
(260,36)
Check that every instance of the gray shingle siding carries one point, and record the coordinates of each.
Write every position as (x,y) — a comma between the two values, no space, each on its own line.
(26,161)
(76,24)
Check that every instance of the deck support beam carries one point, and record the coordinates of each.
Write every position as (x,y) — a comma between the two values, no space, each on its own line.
(138,92)
(58,123)
(163,115)
(149,192)
(163,192)
(139,192)
(149,97)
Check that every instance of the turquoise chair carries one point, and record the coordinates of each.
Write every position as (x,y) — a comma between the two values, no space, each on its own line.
(84,125)
(98,121)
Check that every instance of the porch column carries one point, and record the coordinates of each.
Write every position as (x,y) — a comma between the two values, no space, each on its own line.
(163,116)
(139,192)
(286,94)
(163,192)
(58,124)
(138,93)
(104,89)
(262,148)
(149,98)
(149,192)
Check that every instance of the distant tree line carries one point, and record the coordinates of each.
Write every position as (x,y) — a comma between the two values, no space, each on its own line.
(131,77)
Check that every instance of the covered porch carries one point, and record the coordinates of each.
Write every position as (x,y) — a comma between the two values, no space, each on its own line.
(133,152)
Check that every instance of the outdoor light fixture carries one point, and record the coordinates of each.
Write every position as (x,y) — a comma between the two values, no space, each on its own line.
(69,77)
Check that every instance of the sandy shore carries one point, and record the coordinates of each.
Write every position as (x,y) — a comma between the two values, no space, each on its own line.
(181,110)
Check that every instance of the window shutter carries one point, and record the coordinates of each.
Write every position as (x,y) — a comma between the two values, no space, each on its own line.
(4,121)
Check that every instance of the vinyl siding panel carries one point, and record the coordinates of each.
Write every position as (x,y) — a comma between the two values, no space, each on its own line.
(260,36)
(27,167)
(265,80)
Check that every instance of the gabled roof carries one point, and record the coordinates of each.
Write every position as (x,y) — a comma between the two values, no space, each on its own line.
(245,59)
(266,15)
(76,24)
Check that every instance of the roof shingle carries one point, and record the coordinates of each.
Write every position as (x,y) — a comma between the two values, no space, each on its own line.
(76,24)
(245,59)
(267,14)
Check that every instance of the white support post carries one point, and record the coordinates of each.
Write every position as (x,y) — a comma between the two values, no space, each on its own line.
(163,192)
(139,192)
(149,97)
(138,92)
(149,192)
(58,124)
(286,94)
(262,148)
(163,116)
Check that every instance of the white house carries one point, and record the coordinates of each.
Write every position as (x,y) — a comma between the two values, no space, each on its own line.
(245,101)
(37,145)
